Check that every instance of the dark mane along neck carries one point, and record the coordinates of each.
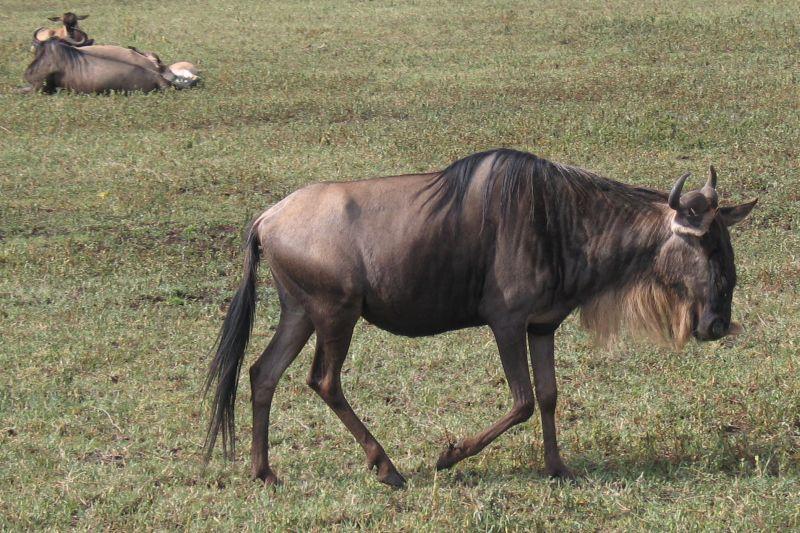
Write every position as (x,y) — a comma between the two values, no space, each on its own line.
(580,218)
(66,52)
(521,177)
(54,52)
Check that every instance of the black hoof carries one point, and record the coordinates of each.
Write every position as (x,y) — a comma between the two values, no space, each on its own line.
(453,454)
(268,478)
(562,473)
(393,479)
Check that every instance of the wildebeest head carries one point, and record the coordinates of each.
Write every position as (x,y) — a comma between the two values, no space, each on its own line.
(697,260)
(69,33)
(69,19)
(687,290)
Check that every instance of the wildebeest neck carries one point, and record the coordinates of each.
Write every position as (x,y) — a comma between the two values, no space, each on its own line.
(53,52)
(584,233)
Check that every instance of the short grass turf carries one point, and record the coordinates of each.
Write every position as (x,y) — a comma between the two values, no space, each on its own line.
(120,232)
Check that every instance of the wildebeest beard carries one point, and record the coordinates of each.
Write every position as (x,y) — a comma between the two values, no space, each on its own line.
(598,238)
(643,308)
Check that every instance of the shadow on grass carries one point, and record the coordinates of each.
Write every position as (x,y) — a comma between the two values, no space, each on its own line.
(624,469)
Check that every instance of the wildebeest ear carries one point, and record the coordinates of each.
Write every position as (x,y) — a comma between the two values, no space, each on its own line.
(736,213)
(54,19)
(81,17)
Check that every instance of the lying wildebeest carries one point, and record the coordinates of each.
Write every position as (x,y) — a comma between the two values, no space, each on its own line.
(69,32)
(95,69)
(500,238)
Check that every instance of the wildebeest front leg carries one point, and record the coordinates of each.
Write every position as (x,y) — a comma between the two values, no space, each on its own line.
(292,332)
(333,341)
(544,374)
(514,355)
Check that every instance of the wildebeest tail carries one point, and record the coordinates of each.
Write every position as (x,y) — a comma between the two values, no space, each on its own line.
(231,345)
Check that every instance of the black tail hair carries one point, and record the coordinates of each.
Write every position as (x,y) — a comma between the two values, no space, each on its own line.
(231,345)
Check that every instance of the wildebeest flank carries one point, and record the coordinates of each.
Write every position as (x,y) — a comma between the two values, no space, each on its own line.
(500,238)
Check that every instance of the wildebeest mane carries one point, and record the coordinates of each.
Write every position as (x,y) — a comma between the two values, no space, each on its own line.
(521,176)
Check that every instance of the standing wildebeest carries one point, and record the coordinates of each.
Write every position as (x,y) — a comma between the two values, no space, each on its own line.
(500,238)
(59,65)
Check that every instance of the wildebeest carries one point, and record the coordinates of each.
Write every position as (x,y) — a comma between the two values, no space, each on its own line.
(69,32)
(500,238)
(58,65)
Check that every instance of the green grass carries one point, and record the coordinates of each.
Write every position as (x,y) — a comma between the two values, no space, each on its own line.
(120,228)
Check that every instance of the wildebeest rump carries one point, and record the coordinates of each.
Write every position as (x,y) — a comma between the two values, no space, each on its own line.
(58,65)
(500,238)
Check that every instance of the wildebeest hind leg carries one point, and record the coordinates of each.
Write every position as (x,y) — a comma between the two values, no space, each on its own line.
(514,355)
(292,332)
(333,341)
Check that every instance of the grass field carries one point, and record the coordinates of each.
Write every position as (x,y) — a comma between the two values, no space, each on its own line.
(120,233)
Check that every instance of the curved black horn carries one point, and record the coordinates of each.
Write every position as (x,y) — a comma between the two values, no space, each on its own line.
(712,177)
(74,42)
(675,194)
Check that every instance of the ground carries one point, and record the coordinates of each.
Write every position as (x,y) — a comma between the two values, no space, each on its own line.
(120,229)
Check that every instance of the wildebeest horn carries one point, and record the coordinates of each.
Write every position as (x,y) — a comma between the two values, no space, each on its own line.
(675,194)
(81,17)
(709,190)
(54,19)
(712,177)
(74,42)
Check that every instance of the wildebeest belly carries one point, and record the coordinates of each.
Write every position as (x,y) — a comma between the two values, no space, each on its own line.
(114,77)
(422,316)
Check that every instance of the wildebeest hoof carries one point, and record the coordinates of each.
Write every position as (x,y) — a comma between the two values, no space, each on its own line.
(453,454)
(562,473)
(393,479)
(268,478)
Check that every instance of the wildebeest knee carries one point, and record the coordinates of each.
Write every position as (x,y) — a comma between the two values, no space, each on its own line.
(313,382)
(525,410)
(327,390)
(255,370)
(257,378)
(547,400)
